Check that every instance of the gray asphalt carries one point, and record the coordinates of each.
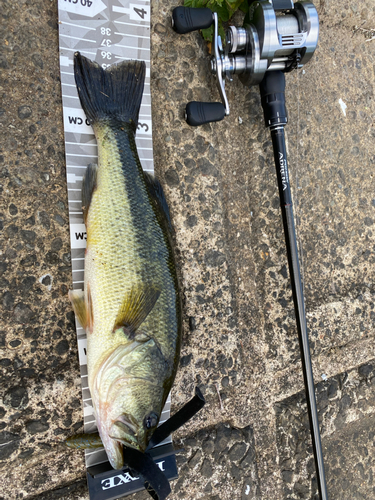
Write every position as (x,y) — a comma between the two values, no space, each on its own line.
(240,346)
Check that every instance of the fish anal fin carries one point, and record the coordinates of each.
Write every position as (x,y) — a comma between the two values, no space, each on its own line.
(88,187)
(77,298)
(136,306)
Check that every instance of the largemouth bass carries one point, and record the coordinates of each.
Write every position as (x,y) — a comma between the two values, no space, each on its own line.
(130,306)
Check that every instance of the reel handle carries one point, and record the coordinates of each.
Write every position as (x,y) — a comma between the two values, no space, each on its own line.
(199,113)
(187,19)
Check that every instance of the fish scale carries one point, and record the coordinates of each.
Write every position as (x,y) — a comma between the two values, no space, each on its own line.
(122,232)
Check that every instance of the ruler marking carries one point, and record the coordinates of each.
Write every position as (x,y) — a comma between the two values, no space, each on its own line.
(133,48)
(76,166)
(89,453)
(88,156)
(81,50)
(128,34)
(77,38)
(78,26)
(133,58)
(128,24)
(74,154)
(82,144)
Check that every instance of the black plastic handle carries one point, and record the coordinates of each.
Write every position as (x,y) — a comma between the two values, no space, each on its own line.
(198,113)
(186,19)
(272,92)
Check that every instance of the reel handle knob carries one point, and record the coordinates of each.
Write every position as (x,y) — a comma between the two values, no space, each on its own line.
(187,19)
(199,113)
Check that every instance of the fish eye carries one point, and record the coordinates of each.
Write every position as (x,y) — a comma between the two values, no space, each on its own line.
(151,420)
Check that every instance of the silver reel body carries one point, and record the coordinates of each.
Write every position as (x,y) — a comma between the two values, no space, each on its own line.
(271,39)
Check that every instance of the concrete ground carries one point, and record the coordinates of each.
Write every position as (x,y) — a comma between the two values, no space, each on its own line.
(239,330)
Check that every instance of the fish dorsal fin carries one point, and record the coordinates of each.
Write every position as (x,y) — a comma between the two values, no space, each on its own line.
(136,306)
(77,298)
(156,192)
(88,187)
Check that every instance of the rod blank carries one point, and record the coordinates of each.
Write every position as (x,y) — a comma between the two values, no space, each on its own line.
(272,91)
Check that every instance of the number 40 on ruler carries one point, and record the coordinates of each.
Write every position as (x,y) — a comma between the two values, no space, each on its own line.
(134,11)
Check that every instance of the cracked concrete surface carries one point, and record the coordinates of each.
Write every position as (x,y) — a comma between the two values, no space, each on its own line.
(239,329)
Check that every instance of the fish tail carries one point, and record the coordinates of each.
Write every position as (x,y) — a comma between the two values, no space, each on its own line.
(111,94)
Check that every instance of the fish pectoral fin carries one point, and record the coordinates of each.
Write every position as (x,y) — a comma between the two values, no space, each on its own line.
(83,311)
(88,187)
(137,305)
(77,299)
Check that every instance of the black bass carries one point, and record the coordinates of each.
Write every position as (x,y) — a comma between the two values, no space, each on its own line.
(130,306)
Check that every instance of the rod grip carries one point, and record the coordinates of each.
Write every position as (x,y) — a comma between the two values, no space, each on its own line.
(199,113)
(187,19)
(272,92)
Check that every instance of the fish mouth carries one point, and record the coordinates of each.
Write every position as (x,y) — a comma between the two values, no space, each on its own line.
(124,431)
(114,452)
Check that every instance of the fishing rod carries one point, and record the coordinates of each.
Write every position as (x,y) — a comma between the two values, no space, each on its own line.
(277,37)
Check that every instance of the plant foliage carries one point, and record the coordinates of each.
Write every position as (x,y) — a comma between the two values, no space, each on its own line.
(224,8)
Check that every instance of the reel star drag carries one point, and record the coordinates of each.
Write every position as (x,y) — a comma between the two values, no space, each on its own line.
(277,36)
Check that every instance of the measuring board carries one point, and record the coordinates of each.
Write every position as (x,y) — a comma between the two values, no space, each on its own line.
(107,31)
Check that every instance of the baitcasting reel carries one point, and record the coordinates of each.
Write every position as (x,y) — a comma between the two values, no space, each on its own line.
(276,35)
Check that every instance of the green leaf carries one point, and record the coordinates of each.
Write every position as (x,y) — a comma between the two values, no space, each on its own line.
(233,5)
(224,8)
(195,3)
(222,12)
(208,33)
(244,7)
(214,4)
(221,31)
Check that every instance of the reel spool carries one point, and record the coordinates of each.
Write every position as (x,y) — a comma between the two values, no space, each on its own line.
(276,35)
